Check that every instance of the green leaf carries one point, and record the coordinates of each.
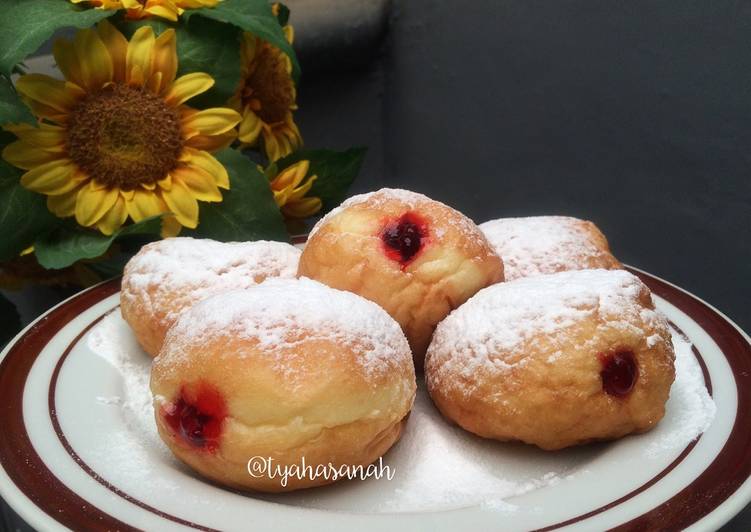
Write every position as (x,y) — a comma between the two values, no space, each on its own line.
(248,210)
(69,243)
(26,24)
(12,109)
(336,170)
(10,320)
(254,16)
(23,214)
(205,45)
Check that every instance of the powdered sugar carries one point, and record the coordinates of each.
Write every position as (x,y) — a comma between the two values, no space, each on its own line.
(279,312)
(690,410)
(487,328)
(541,244)
(177,272)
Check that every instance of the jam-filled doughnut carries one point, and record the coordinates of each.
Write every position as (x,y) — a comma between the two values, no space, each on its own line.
(554,360)
(414,256)
(166,277)
(547,244)
(288,370)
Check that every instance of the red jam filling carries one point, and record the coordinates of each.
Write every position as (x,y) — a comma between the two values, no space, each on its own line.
(197,415)
(619,372)
(404,237)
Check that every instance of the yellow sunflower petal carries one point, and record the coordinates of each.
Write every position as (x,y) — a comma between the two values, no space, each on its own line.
(195,4)
(45,136)
(25,156)
(200,183)
(291,131)
(187,86)
(289,33)
(144,205)
(140,55)
(250,127)
(271,146)
(53,178)
(114,218)
(207,162)
(213,121)
(303,208)
(182,204)
(117,45)
(170,226)
(67,61)
(292,175)
(299,192)
(54,93)
(63,205)
(127,195)
(94,62)
(45,111)
(165,183)
(154,82)
(93,203)
(281,196)
(162,11)
(165,58)
(211,143)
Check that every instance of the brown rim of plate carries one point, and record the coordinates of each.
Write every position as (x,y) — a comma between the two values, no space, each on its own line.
(729,469)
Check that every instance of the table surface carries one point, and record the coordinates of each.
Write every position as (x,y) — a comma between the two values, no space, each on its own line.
(635,115)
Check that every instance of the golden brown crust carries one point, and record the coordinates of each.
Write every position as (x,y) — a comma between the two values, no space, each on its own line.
(346,252)
(547,390)
(309,395)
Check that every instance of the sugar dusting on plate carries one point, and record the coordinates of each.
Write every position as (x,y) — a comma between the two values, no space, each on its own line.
(437,466)
(690,410)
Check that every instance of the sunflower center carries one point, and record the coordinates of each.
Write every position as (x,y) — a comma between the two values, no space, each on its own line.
(268,88)
(123,137)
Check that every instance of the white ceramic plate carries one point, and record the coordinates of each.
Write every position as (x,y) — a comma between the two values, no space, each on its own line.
(78,447)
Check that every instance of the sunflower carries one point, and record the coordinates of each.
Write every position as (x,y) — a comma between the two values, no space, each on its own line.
(138,9)
(115,139)
(266,97)
(290,187)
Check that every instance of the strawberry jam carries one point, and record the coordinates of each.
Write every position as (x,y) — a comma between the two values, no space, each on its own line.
(404,237)
(619,372)
(197,415)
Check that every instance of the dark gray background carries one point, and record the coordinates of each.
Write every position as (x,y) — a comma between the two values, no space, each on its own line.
(636,115)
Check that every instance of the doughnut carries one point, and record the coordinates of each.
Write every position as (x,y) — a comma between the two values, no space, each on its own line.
(166,277)
(548,244)
(554,360)
(289,370)
(414,256)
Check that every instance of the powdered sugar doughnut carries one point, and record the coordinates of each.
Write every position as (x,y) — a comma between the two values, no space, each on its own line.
(547,244)
(414,256)
(554,360)
(169,276)
(287,370)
